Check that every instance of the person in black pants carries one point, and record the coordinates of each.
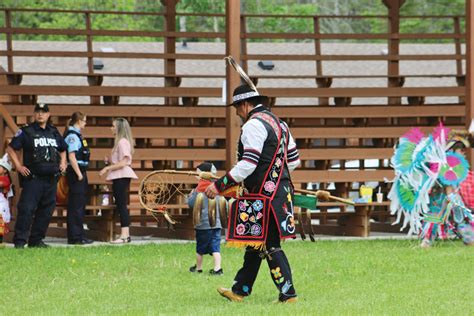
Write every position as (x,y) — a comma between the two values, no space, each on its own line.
(120,173)
(277,263)
(267,154)
(44,157)
(76,174)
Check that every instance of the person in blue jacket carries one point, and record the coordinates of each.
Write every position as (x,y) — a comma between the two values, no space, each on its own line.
(76,174)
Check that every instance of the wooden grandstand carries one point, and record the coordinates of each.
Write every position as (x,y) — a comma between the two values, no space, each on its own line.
(186,121)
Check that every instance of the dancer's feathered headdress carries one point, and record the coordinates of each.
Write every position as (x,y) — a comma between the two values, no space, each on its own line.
(241,72)
(245,91)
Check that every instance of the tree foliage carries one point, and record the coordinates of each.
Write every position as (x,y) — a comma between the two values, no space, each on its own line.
(217,23)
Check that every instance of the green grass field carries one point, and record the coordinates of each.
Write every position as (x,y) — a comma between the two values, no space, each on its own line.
(331,277)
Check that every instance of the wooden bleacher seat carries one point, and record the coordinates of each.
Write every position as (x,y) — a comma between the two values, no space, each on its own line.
(101,227)
(185,126)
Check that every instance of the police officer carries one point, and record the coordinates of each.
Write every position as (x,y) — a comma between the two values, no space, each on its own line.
(44,157)
(78,161)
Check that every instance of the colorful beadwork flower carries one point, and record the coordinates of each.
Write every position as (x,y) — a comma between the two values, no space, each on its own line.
(240,229)
(278,162)
(286,287)
(257,205)
(269,186)
(244,216)
(256,230)
(276,273)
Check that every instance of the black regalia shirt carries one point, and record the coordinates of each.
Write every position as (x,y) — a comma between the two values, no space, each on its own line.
(259,141)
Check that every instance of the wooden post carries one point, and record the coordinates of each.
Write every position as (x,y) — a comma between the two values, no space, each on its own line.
(243,43)
(91,80)
(90,59)
(393,43)
(170,47)
(232,79)
(8,25)
(170,63)
(321,82)
(317,47)
(393,70)
(457,44)
(9,38)
(469,70)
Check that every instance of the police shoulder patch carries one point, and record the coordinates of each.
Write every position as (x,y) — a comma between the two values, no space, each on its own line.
(18,133)
(71,140)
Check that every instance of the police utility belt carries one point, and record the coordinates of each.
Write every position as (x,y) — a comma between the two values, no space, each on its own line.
(49,177)
(81,167)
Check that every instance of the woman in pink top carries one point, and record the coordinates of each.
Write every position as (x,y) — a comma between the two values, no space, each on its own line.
(120,173)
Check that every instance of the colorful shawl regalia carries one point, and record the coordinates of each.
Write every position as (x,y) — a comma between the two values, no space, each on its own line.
(420,164)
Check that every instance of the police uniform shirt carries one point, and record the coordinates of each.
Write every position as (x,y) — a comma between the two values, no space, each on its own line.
(253,138)
(47,137)
(74,144)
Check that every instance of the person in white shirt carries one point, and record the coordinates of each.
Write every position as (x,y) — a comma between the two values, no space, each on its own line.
(264,215)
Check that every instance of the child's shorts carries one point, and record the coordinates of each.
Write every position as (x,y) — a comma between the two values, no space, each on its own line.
(208,241)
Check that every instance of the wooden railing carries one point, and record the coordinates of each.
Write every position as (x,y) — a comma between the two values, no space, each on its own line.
(186,123)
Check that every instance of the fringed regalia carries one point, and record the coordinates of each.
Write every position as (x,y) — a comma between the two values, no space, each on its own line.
(423,170)
(448,217)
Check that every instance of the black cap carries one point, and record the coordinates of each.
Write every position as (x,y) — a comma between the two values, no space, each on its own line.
(41,107)
(244,93)
(206,167)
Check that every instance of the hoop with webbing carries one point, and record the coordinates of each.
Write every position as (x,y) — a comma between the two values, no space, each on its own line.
(158,190)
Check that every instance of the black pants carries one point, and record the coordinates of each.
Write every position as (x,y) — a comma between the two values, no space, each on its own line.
(120,191)
(76,205)
(36,205)
(278,265)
